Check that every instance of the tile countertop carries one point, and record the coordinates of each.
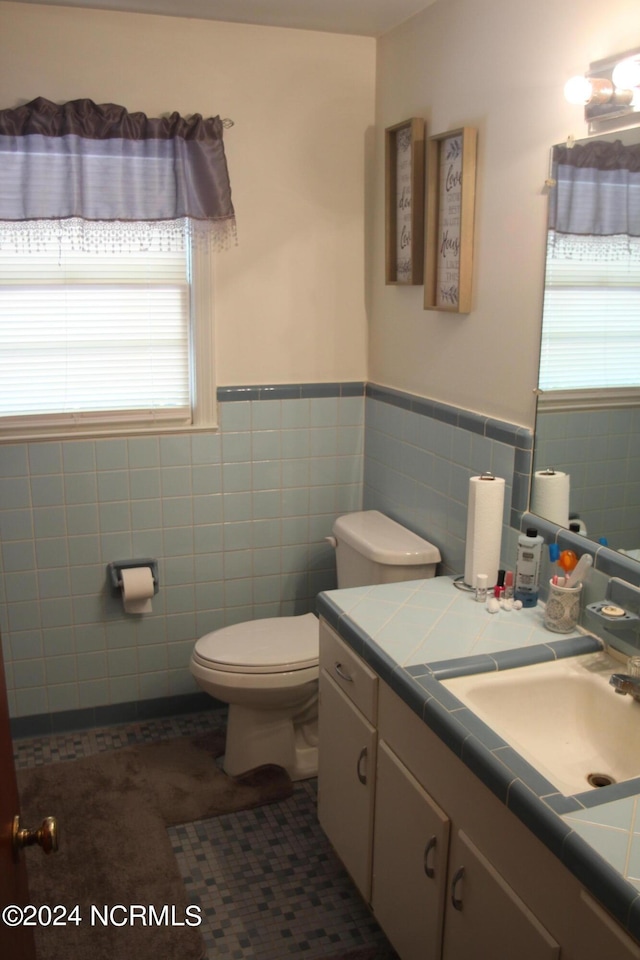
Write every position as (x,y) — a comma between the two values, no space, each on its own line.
(415,634)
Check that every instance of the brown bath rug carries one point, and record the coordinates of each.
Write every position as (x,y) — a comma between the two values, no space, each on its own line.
(188,784)
(112,810)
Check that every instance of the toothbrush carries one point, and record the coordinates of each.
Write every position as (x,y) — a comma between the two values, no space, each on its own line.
(579,570)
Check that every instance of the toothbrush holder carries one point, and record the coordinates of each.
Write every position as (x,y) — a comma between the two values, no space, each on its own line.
(562,612)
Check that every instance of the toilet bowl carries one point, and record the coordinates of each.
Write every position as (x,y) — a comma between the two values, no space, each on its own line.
(267,670)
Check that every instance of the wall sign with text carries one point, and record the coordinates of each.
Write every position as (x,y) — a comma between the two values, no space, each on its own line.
(451,176)
(404,202)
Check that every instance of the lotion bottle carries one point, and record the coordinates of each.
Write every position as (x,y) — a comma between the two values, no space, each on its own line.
(528,567)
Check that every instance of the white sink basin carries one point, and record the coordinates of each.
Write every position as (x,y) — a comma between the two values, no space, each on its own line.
(563,717)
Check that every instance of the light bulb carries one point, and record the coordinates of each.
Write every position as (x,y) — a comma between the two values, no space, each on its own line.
(626,74)
(577,90)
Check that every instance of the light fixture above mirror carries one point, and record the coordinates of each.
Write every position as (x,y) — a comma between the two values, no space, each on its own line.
(609,90)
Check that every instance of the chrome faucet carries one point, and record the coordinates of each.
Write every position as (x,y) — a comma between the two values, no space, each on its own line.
(624,683)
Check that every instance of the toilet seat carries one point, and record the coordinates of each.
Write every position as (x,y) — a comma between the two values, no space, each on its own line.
(271,645)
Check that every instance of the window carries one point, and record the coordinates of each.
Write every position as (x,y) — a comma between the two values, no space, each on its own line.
(590,349)
(590,325)
(100,341)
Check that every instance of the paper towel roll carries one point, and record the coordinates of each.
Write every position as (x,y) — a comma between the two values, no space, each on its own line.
(550,496)
(484,529)
(137,589)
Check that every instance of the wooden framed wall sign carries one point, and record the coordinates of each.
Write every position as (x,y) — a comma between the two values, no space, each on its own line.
(404,202)
(451,176)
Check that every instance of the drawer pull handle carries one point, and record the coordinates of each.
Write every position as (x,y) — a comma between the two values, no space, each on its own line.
(341,673)
(456,902)
(430,847)
(362,777)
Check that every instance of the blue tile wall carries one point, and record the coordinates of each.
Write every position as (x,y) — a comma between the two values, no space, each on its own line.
(419,457)
(600,449)
(236,519)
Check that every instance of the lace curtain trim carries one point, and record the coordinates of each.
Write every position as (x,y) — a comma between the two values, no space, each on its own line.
(111,236)
(569,246)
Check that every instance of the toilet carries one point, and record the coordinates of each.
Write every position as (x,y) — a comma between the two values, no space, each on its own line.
(267,669)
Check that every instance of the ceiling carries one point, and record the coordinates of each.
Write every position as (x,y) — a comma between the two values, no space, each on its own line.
(370,18)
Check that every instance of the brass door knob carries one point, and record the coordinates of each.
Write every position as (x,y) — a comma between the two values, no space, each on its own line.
(46,836)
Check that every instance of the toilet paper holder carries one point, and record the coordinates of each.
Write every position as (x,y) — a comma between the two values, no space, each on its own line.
(115,568)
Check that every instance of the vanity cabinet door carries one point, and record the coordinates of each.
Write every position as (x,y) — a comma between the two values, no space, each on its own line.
(346,780)
(484,917)
(410,847)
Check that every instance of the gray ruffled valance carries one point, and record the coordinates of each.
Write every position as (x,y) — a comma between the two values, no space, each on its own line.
(594,207)
(93,170)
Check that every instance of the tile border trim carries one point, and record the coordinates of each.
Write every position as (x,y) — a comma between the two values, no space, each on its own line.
(510,433)
(290,391)
(44,724)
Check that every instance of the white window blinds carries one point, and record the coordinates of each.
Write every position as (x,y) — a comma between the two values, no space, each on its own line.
(591,324)
(94,336)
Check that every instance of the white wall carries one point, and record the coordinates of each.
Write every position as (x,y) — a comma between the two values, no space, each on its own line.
(500,66)
(290,299)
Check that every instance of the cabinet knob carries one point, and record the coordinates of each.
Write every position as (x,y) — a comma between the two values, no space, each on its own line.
(362,777)
(456,902)
(430,847)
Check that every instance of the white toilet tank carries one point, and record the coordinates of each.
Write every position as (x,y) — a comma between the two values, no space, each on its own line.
(372,548)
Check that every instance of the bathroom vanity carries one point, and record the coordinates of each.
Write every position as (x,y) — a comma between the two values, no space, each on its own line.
(458,844)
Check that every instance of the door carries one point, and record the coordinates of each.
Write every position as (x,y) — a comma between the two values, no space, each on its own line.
(15,942)
(410,849)
(346,779)
(484,916)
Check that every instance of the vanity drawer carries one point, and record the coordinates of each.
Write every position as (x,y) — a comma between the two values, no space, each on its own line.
(349,671)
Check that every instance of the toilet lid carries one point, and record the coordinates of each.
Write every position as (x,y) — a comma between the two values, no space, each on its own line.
(272,645)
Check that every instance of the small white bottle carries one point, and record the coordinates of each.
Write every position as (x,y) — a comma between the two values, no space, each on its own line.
(528,567)
(481,587)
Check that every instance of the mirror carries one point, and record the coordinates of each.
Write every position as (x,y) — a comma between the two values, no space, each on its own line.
(593,436)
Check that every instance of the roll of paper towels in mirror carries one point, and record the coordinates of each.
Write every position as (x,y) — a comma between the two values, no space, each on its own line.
(484,529)
(137,589)
(550,496)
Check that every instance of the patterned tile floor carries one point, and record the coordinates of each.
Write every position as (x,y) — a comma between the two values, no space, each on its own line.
(267,880)
(33,751)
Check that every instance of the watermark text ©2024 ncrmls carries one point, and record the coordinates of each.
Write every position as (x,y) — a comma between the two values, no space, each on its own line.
(113,915)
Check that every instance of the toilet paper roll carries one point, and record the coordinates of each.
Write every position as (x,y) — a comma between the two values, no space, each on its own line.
(550,496)
(137,589)
(484,529)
